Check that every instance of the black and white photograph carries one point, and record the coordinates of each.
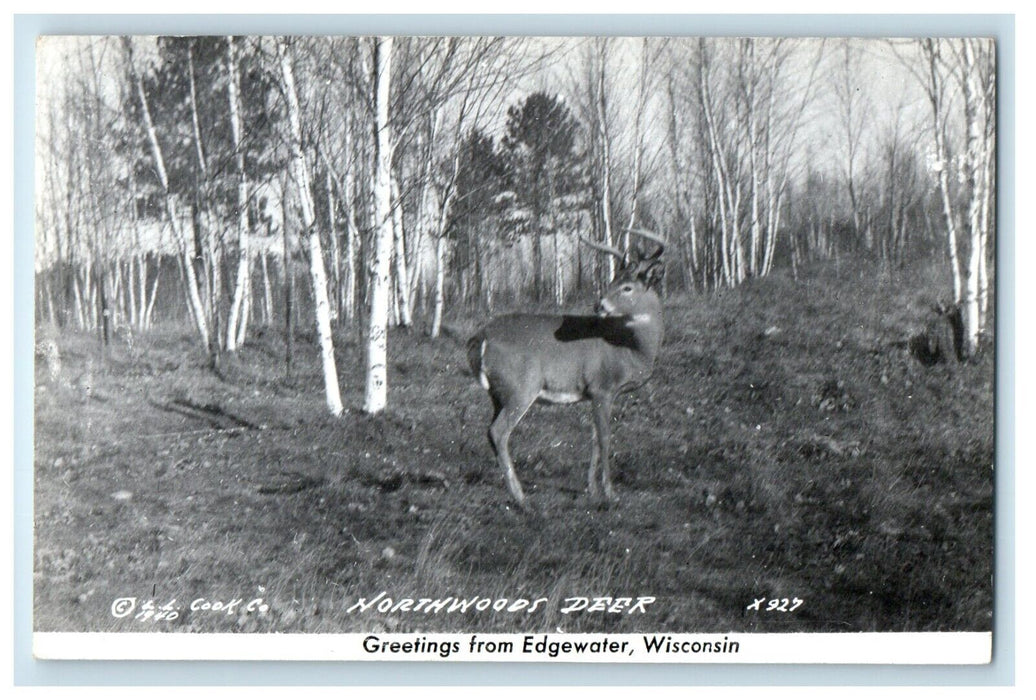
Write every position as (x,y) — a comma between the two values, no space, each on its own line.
(566,348)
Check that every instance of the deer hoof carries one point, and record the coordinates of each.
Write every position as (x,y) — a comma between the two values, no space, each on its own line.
(518,500)
(526,508)
(473,475)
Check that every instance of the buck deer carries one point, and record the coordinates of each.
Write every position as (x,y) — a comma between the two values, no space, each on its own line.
(561,359)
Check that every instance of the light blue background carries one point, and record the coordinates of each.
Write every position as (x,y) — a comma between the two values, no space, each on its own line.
(28,671)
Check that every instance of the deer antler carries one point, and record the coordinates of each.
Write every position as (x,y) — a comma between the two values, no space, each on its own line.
(651,237)
(603,248)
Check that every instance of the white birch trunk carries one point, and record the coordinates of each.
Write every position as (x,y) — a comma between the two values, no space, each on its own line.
(606,165)
(987,227)
(195,124)
(316,254)
(975,159)
(267,290)
(773,199)
(738,252)
(755,225)
(988,203)
(214,288)
(131,290)
(423,218)
(559,276)
(638,145)
(755,235)
(351,230)
(77,295)
(141,291)
(935,90)
(439,295)
(402,286)
(154,295)
(376,393)
(972,312)
(246,305)
(336,256)
(983,283)
(393,299)
(723,189)
(236,322)
(773,227)
(349,300)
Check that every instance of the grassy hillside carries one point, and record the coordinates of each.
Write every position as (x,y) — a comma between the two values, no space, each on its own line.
(788,446)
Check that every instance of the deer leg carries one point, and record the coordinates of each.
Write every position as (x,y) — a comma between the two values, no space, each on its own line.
(476,472)
(602,408)
(507,417)
(497,407)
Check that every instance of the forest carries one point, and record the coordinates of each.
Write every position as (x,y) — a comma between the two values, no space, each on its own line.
(258,258)
(417,176)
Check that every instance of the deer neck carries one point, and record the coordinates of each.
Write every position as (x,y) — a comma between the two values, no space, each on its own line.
(646,324)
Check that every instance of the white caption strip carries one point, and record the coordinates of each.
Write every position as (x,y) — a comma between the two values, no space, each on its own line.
(942,648)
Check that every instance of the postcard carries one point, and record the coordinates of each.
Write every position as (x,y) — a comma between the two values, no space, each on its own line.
(514,348)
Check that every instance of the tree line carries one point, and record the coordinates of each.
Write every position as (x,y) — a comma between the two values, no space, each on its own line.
(409,176)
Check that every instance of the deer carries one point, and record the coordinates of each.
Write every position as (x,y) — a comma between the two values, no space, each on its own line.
(524,358)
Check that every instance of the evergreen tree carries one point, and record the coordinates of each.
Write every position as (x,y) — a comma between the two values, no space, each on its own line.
(545,171)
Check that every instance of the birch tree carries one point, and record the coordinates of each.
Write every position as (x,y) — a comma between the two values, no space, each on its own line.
(970,63)
(600,55)
(376,393)
(729,241)
(934,82)
(318,275)
(644,82)
(683,220)
(854,114)
(237,322)
(975,56)
(402,288)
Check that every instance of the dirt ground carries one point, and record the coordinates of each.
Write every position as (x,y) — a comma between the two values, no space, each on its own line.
(787,447)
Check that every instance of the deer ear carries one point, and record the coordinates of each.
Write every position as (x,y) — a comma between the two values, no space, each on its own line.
(652,275)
